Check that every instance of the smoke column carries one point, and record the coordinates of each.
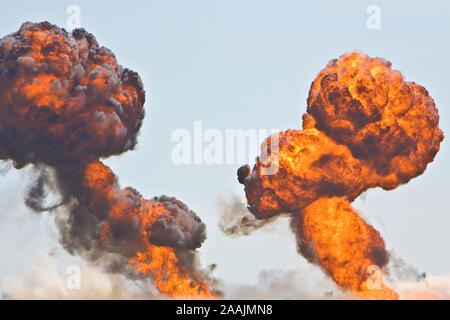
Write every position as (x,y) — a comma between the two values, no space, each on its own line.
(365,127)
(65,103)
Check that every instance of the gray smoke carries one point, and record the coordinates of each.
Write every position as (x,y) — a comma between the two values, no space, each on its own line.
(179,227)
(235,220)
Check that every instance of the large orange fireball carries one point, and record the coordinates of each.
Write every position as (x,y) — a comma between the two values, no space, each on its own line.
(65,102)
(365,127)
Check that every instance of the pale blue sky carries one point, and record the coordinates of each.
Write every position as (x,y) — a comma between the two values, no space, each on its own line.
(249,64)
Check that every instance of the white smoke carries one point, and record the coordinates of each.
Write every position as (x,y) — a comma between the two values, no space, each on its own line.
(47,279)
(303,282)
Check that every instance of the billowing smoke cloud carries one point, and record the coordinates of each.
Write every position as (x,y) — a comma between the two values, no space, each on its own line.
(365,127)
(60,93)
(302,282)
(47,278)
(65,102)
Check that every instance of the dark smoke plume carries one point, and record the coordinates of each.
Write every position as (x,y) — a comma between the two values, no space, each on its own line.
(65,103)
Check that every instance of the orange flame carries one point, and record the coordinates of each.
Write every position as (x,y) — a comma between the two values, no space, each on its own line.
(170,278)
(345,245)
(364,127)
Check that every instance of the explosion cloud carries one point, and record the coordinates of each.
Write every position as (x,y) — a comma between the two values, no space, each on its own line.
(365,127)
(65,103)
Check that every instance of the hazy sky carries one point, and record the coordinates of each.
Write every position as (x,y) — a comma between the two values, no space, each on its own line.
(249,64)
